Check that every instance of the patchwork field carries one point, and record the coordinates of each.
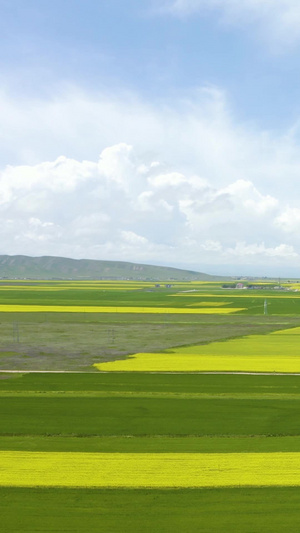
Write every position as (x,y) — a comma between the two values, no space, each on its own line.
(111,446)
(236,431)
(69,325)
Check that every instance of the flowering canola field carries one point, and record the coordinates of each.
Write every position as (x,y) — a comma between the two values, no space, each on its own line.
(275,352)
(161,362)
(153,470)
(112,309)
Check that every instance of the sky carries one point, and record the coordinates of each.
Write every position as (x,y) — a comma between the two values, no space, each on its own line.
(155,131)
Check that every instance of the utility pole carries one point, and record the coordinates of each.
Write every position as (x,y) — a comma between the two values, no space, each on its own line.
(16,332)
(265,307)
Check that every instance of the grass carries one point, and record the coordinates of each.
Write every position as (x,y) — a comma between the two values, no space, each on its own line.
(66,341)
(144,382)
(50,424)
(158,419)
(152,444)
(132,416)
(136,415)
(146,295)
(189,511)
(54,340)
(150,395)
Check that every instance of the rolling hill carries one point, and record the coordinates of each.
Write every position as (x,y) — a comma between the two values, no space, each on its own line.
(21,266)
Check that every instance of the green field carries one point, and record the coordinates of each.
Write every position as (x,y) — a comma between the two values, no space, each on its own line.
(110,511)
(92,419)
(27,411)
(124,431)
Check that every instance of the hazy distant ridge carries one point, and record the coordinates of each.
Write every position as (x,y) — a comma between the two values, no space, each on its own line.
(21,266)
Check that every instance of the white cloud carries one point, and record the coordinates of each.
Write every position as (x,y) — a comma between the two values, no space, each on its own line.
(115,164)
(108,209)
(172,179)
(279,20)
(243,249)
(62,175)
(183,183)
(289,220)
(212,246)
(133,239)
(196,136)
(246,196)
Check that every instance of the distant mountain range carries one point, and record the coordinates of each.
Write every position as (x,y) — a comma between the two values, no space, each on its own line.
(21,266)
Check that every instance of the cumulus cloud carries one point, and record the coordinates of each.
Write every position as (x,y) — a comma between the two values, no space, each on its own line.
(279,19)
(289,220)
(282,250)
(108,209)
(183,183)
(195,135)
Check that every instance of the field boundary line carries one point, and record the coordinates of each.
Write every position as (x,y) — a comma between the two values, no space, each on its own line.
(150,372)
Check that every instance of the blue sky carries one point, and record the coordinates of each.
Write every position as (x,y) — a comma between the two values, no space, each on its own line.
(130,45)
(113,112)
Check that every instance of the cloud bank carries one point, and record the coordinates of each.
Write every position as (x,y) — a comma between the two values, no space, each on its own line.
(180,184)
(122,207)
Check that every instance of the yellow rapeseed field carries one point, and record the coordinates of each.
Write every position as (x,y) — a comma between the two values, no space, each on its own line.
(177,362)
(208,304)
(290,331)
(32,289)
(275,352)
(61,469)
(108,309)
